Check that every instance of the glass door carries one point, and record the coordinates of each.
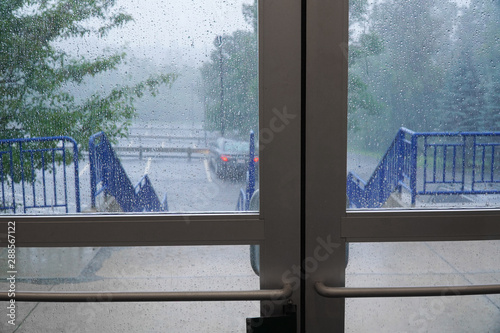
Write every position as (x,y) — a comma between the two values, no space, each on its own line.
(330,75)
(158,97)
(421,203)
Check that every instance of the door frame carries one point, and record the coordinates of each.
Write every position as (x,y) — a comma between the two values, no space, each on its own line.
(325,177)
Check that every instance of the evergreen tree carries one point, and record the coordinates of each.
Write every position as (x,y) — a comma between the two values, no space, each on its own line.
(492,99)
(470,96)
(489,58)
(464,100)
(410,72)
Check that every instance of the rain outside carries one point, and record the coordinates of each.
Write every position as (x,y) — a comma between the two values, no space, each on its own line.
(161,111)
(173,86)
(163,91)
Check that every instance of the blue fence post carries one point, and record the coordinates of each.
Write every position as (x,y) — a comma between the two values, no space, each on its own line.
(21,159)
(413,169)
(474,147)
(77,177)
(12,177)
(251,171)
(93,171)
(400,159)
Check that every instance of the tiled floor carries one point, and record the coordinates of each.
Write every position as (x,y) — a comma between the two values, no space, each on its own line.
(424,264)
(228,268)
(133,269)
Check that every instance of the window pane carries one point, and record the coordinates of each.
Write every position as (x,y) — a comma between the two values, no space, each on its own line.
(141,106)
(423,104)
(127,269)
(423,264)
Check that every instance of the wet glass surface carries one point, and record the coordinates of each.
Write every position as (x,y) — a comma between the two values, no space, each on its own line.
(424,264)
(163,80)
(127,269)
(423,104)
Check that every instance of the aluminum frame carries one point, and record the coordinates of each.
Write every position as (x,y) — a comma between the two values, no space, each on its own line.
(280,175)
(281,221)
(327,40)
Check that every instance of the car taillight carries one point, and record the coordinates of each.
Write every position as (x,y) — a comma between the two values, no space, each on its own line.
(224,158)
(256,159)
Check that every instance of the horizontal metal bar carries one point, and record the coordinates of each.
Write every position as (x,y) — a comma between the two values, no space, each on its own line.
(188,296)
(166,137)
(458,192)
(39,139)
(444,144)
(455,134)
(342,292)
(420,225)
(161,229)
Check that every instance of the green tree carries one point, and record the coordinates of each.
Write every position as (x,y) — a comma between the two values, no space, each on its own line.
(34,72)
(362,48)
(464,98)
(230,80)
(491,119)
(484,37)
(416,36)
(470,96)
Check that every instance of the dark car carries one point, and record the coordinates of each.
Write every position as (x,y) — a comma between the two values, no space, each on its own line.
(229,158)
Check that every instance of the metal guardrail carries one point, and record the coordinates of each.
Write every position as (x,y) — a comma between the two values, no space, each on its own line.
(431,163)
(390,174)
(162,150)
(107,170)
(47,155)
(170,138)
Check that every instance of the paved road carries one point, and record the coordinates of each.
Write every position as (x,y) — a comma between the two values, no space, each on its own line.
(191,186)
(361,164)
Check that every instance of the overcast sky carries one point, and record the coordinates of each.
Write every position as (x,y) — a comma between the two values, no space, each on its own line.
(170,31)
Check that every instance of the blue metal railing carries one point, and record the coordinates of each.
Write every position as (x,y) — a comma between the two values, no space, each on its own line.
(38,157)
(431,163)
(106,171)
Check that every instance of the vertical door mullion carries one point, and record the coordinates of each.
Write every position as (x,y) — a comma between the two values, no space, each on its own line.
(279,145)
(325,168)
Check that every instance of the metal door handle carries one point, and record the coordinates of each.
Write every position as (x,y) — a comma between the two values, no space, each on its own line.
(188,296)
(343,292)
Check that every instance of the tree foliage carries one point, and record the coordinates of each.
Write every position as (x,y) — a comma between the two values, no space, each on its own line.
(34,72)
(362,48)
(463,100)
(230,80)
